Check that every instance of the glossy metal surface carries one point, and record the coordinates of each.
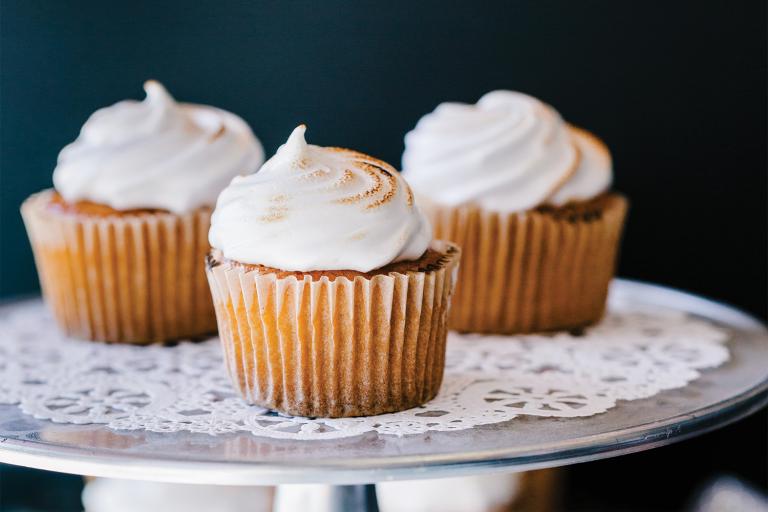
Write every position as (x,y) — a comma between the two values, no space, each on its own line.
(720,396)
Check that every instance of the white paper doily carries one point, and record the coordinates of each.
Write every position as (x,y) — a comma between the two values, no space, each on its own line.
(633,353)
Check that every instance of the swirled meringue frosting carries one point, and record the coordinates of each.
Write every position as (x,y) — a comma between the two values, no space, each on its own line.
(509,152)
(319,208)
(156,154)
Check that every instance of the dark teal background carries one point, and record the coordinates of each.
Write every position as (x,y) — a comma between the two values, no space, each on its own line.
(676,89)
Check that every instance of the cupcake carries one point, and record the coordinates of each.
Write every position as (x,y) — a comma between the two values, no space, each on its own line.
(526,196)
(120,241)
(330,299)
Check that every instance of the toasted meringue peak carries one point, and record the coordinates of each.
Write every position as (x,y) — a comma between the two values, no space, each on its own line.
(319,208)
(156,153)
(296,144)
(509,152)
(156,92)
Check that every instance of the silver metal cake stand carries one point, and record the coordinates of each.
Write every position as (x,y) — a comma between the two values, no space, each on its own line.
(721,396)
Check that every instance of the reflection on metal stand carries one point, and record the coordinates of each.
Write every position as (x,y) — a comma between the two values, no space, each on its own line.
(326,498)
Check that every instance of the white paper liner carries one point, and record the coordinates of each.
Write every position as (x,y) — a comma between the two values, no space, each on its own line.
(531,271)
(134,278)
(332,348)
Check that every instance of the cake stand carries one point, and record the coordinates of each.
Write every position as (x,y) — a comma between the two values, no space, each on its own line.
(721,396)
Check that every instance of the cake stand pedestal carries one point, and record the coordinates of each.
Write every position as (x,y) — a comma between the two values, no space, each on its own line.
(721,396)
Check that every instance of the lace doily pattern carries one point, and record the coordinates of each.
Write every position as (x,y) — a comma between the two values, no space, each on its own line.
(633,353)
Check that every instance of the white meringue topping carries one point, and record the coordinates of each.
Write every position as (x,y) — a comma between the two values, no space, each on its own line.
(509,152)
(317,208)
(156,153)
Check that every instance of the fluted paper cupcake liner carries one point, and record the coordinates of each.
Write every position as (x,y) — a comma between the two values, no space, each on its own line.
(532,271)
(133,278)
(333,348)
